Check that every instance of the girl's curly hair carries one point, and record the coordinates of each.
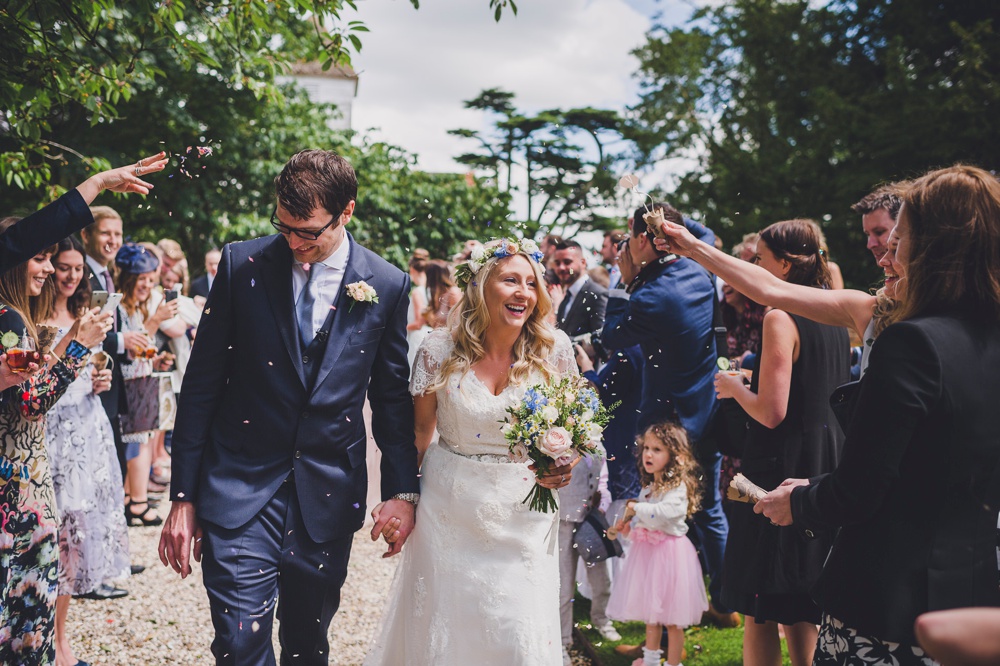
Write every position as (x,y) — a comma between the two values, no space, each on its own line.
(681,466)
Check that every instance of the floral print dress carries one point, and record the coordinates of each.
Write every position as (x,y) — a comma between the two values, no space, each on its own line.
(29,549)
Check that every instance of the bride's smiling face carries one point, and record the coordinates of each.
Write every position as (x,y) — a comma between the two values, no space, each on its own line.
(511,294)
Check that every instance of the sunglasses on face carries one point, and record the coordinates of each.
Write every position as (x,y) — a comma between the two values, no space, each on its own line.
(305,234)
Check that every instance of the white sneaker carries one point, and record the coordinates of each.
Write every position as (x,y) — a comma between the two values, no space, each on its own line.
(608,631)
(567,660)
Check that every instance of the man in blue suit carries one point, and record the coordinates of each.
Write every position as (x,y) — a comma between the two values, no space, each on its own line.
(665,305)
(269,475)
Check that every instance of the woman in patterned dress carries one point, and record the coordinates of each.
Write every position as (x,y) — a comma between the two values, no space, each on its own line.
(29,551)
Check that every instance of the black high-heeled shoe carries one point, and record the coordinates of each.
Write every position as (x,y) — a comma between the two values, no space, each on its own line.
(134,519)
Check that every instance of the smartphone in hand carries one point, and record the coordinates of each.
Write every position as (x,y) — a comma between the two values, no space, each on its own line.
(98,299)
(112,302)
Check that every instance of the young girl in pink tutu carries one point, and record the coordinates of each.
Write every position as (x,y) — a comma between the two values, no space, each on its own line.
(660,582)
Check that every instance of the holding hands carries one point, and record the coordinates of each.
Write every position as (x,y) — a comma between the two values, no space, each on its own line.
(394,520)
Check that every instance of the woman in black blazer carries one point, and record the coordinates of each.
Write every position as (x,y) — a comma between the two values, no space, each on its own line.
(917,491)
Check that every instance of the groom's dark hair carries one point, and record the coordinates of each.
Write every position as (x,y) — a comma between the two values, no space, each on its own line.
(314,178)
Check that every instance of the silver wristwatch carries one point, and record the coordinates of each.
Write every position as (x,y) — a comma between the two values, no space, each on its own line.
(412,498)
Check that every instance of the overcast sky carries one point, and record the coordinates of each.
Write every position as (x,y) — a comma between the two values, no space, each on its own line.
(418,66)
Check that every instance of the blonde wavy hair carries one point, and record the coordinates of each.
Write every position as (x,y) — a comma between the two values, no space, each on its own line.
(469,321)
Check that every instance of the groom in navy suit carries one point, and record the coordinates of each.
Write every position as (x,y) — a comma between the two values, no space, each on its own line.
(269,474)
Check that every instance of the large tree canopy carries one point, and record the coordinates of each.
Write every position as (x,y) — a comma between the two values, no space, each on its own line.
(60,57)
(172,100)
(561,160)
(790,109)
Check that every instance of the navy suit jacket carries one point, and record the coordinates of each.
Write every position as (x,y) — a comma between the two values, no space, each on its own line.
(669,315)
(247,418)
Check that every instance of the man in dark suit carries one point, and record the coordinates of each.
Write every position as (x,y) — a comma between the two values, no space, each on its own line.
(665,306)
(269,475)
(101,241)
(202,285)
(581,309)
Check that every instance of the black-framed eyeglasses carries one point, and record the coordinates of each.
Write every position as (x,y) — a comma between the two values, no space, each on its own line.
(304,234)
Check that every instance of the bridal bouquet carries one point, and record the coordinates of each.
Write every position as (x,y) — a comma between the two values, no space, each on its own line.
(554,424)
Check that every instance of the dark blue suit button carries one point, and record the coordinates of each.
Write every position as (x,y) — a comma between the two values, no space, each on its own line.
(305,414)
(298,454)
(305,359)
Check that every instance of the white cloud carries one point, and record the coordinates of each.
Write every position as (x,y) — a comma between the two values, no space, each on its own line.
(418,66)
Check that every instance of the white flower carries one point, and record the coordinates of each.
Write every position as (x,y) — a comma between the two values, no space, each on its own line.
(529,246)
(362,292)
(475,265)
(506,429)
(550,413)
(478,255)
(519,453)
(595,432)
(587,415)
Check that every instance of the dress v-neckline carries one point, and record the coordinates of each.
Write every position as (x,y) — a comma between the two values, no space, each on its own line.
(487,388)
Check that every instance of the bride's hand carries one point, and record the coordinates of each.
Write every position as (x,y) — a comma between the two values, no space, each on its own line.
(557,477)
(394,521)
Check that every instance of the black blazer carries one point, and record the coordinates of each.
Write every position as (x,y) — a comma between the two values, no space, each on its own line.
(44,228)
(248,416)
(199,287)
(586,312)
(917,490)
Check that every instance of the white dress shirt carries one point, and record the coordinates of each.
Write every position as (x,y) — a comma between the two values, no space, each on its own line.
(325,284)
(573,290)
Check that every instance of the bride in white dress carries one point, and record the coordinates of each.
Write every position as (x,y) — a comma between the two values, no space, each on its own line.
(478,582)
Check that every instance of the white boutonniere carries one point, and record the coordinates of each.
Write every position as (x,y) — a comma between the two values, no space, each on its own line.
(361,292)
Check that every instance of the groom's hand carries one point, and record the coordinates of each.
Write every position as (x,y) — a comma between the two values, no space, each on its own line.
(394,521)
(180,532)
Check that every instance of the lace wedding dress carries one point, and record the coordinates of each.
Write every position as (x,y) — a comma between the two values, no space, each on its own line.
(478,582)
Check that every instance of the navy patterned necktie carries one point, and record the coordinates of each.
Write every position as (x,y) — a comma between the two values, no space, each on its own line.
(304,309)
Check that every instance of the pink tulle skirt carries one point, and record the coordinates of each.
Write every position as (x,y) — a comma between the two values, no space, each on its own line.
(660,581)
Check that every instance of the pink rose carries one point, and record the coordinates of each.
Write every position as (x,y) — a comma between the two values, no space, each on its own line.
(557,442)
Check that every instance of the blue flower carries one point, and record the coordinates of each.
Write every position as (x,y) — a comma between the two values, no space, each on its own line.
(534,400)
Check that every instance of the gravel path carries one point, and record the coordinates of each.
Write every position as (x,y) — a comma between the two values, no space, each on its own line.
(165,620)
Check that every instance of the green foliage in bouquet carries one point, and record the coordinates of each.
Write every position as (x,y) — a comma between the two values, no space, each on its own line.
(555,423)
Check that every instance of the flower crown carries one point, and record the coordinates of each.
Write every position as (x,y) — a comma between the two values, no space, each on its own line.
(498,248)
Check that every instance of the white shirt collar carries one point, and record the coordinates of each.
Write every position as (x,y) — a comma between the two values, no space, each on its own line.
(575,288)
(337,260)
(95,266)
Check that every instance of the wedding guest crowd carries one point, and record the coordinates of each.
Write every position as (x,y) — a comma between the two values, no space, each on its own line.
(880,514)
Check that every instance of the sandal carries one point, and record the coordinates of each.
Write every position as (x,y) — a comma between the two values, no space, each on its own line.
(140,519)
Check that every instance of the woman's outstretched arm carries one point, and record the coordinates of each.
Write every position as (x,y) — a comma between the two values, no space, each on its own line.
(837,307)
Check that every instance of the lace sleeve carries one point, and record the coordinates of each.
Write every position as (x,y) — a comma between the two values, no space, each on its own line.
(563,356)
(431,354)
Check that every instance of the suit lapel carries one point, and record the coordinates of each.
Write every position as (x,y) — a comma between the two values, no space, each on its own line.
(348,314)
(276,274)
(570,321)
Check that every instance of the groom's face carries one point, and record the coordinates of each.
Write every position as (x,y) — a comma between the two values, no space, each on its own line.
(308,250)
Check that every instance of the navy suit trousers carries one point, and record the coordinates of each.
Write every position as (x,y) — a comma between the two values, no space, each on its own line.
(247,570)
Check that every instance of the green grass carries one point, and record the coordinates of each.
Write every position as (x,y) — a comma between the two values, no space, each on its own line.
(706,646)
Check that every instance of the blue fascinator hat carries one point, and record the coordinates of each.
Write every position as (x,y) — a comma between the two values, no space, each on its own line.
(134,258)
